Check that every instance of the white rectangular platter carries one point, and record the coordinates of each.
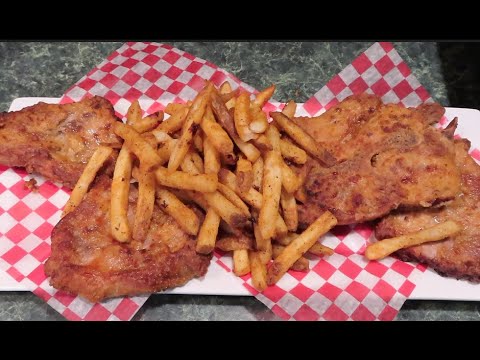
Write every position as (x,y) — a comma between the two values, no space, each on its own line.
(220,282)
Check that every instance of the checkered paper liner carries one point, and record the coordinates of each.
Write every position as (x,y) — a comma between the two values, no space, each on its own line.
(339,287)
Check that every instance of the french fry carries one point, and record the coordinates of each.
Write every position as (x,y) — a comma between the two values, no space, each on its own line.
(198,142)
(292,152)
(301,264)
(216,134)
(145,204)
(175,122)
(183,215)
(257,169)
(196,160)
(211,157)
(383,248)
(259,121)
(229,96)
(244,174)
(194,117)
(262,143)
(241,262)
(134,113)
(208,233)
(150,139)
(148,123)
(242,118)
(165,150)
(316,249)
(230,104)
(300,246)
(232,243)
(172,108)
(231,196)
(225,88)
(138,145)
(222,115)
(182,180)
(273,136)
(232,215)
(266,255)
(248,149)
(120,189)
(289,109)
(303,139)
(289,209)
(290,180)
(263,96)
(81,187)
(261,244)
(271,190)
(193,196)
(259,270)
(320,250)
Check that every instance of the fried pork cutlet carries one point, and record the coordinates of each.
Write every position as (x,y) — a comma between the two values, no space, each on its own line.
(457,256)
(388,157)
(87,261)
(57,141)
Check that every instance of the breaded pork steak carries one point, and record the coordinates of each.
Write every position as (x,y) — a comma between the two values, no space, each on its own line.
(388,156)
(457,256)
(54,140)
(87,261)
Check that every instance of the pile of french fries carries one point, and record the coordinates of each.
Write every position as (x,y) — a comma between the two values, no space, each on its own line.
(220,152)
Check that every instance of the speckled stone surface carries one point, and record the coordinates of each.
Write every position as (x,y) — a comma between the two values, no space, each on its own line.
(299,69)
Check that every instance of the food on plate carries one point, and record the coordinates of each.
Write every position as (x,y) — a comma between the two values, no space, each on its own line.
(31,185)
(390,157)
(56,141)
(458,255)
(87,260)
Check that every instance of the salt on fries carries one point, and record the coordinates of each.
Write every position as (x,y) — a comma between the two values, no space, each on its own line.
(383,248)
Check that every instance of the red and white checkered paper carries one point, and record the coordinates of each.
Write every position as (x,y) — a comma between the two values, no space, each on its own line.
(341,287)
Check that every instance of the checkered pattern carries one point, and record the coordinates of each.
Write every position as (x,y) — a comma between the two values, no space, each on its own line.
(340,287)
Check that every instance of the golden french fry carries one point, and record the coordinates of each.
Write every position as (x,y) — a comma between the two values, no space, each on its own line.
(225,88)
(257,169)
(165,150)
(241,262)
(150,139)
(260,242)
(262,143)
(289,109)
(182,180)
(192,122)
(263,96)
(259,121)
(289,209)
(174,122)
(134,113)
(120,189)
(208,233)
(244,174)
(292,152)
(145,204)
(211,157)
(232,215)
(273,136)
(383,248)
(138,145)
(230,104)
(221,113)
(320,250)
(301,264)
(192,196)
(271,190)
(300,246)
(183,215)
(81,187)
(242,117)
(232,243)
(259,270)
(303,139)
(198,141)
(231,95)
(248,149)
(148,123)
(233,198)
(290,180)
(192,163)
(216,134)
(266,255)
(172,108)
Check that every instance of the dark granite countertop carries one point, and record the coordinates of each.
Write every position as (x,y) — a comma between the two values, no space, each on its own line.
(448,71)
